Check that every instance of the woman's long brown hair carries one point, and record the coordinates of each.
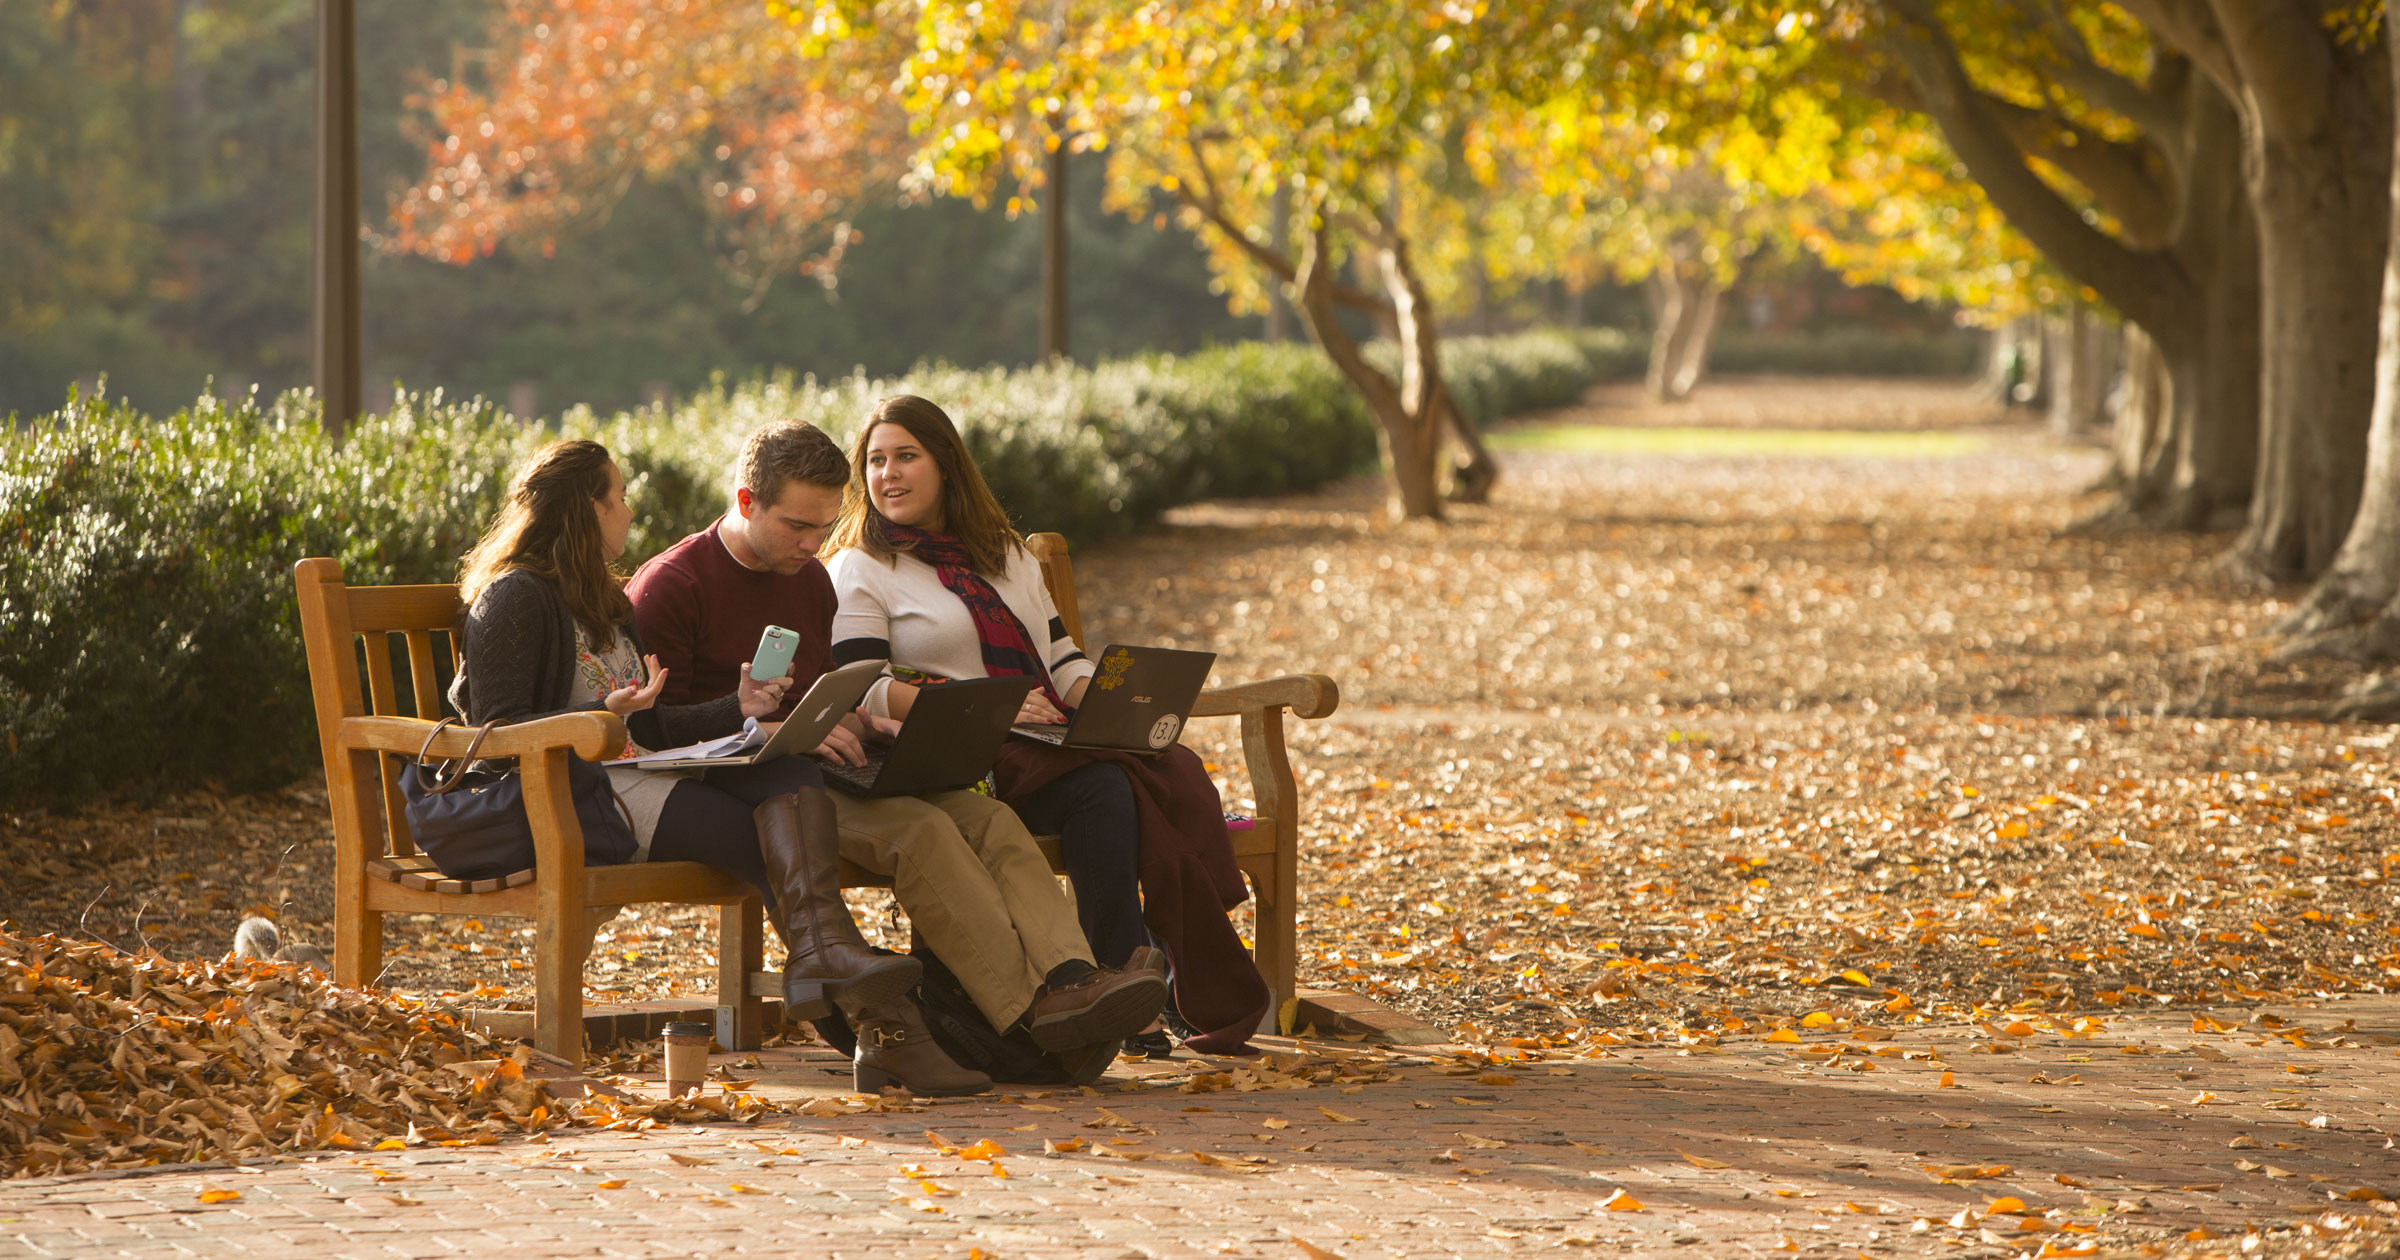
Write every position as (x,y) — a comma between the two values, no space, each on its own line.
(970,513)
(548,528)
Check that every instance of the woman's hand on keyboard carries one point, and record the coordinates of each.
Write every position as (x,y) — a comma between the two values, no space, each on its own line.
(842,745)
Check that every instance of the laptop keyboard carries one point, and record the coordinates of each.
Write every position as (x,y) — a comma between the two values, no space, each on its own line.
(860,777)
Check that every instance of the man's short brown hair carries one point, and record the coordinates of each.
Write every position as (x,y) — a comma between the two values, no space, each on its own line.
(788,451)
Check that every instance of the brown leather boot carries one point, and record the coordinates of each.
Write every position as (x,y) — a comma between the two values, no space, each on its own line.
(1085,1065)
(896,1049)
(828,960)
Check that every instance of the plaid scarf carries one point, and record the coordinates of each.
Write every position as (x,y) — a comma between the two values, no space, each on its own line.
(1007,650)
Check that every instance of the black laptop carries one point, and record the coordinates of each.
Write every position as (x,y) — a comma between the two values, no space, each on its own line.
(1136,703)
(950,739)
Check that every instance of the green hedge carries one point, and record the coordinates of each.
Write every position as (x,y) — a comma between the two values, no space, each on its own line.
(151,639)
(1494,377)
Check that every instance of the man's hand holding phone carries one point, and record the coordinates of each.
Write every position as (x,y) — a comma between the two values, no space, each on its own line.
(759,699)
(767,674)
(773,659)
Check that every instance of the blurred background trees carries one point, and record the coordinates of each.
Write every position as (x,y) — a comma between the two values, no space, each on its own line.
(154,217)
(154,211)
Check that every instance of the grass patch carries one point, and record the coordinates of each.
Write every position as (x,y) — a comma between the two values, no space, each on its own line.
(1600,439)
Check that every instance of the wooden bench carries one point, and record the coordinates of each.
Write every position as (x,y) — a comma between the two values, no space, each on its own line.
(369,730)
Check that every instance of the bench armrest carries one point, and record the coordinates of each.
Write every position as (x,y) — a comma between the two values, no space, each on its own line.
(595,735)
(1306,695)
(1271,859)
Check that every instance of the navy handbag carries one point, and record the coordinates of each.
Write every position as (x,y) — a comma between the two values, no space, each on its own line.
(471,821)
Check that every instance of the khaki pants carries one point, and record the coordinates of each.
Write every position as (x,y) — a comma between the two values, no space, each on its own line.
(975,888)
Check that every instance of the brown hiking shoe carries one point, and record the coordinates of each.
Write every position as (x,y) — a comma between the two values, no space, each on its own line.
(1106,1006)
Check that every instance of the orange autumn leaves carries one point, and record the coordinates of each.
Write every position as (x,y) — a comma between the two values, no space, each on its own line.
(171,1062)
(578,98)
(1568,879)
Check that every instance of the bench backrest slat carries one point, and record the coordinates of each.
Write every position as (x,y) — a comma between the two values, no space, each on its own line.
(421,676)
(403,608)
(348,631)
(1058,573)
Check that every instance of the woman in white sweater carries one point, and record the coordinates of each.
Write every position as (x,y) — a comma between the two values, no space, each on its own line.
(931,576)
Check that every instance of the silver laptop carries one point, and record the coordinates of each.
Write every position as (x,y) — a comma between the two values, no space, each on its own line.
(836,692)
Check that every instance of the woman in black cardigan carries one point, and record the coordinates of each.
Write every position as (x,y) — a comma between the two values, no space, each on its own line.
(549,630)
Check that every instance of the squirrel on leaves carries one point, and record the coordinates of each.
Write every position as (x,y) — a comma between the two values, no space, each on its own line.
(259,938)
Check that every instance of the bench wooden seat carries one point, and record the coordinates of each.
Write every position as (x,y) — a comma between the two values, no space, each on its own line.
(369,729)
(419,873)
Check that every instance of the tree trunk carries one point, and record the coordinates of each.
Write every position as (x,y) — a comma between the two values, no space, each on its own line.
(1686,301)
(1410,439)
(1423,393)
(2212,368)
(1691,358)
(2143,441)
(2364,579)
(2045,361)
(1279,236)
(2320,161)
(2317,377)
(1999,360)
(2084,354)
(2216,237)
(2021,368)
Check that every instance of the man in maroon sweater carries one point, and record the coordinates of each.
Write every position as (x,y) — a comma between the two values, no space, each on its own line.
(976,888)
(701,603)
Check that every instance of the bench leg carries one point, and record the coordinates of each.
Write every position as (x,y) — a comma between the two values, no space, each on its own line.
(1277,949)
(357,937)
(559,942)
(741,951)
(357,930)
(1276,943)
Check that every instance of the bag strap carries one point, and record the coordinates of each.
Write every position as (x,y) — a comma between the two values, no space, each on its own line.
(446,775)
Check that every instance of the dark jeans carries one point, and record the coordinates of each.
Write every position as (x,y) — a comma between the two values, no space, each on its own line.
(708,819)
(1091,811)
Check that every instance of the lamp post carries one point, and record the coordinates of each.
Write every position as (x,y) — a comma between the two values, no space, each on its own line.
(334,300)
(1054,254)
(1054,215)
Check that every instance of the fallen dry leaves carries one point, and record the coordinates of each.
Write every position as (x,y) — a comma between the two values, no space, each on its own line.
(1651,748)
(110,1060)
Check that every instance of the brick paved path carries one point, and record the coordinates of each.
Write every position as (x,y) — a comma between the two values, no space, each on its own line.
(2137,1133)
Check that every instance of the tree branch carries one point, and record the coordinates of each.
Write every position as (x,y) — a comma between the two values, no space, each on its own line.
(1316,285)
(2079,71)
(1212,207)
(1376,234)
(2119,174)
(2149,288)
(2192,27)
(2286,60)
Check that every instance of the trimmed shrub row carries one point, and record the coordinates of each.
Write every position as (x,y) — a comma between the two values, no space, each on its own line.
(1847,352)
(148,637)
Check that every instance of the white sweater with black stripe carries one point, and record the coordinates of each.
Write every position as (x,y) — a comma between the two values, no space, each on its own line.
(900,611)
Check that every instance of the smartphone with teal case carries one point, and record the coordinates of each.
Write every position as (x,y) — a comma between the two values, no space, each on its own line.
(773,659)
